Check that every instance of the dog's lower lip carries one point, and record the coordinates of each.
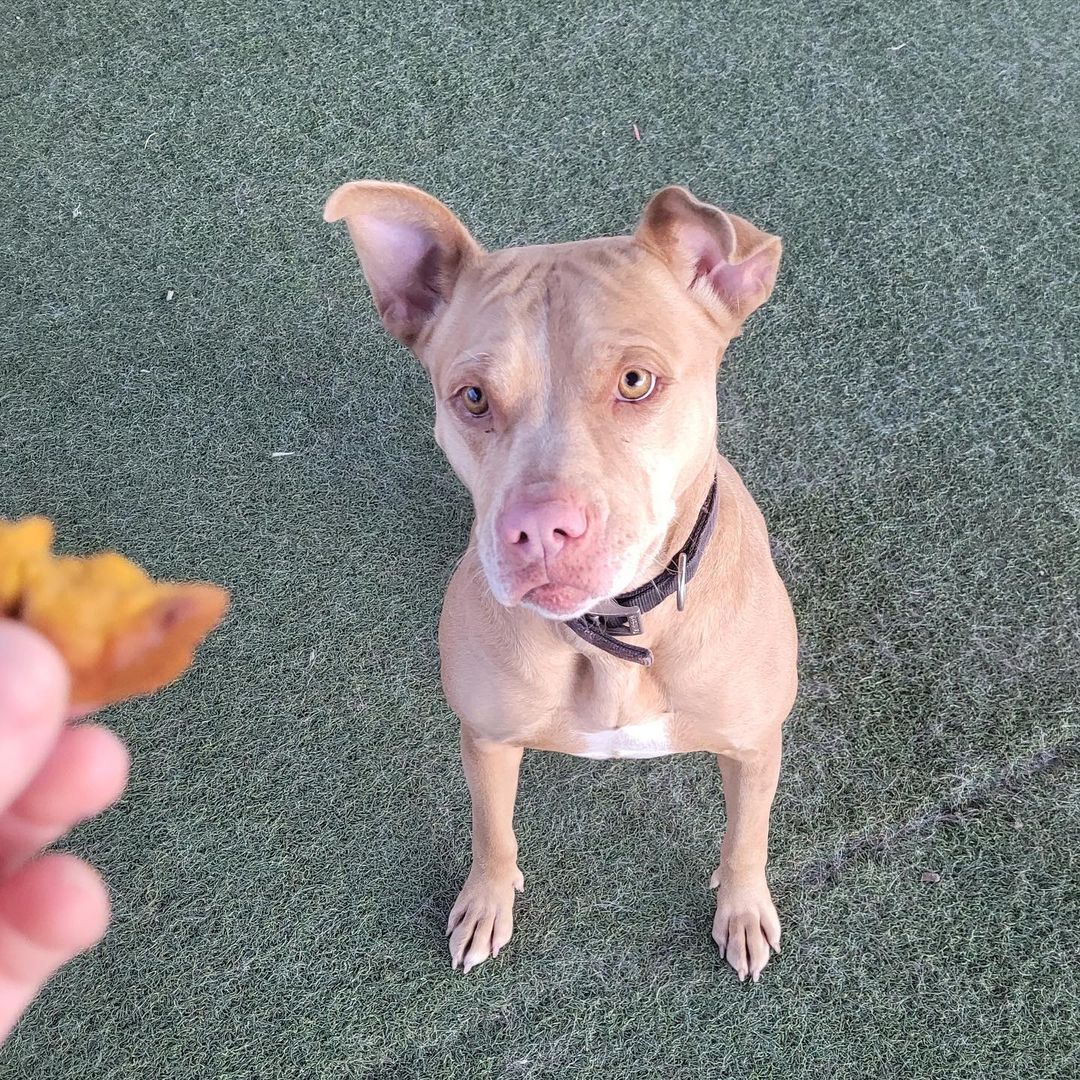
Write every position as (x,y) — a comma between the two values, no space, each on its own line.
(562,600)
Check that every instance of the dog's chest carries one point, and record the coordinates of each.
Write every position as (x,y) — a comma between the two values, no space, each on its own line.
(618,711)
(647,738)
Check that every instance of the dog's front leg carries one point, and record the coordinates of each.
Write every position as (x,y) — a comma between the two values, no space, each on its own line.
(482,918)
(746,923)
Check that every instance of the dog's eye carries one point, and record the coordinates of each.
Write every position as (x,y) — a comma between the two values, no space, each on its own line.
(636,384)
(475,400)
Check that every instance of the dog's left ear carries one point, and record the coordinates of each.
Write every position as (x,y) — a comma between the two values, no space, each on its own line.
(728,264)
(412,249)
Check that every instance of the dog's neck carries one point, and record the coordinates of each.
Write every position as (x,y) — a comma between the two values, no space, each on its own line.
(608,625)
(687,507)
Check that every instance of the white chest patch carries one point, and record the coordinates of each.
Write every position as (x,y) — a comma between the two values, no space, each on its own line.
(650,738)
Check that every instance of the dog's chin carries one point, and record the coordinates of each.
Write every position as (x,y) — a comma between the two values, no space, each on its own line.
(561,602)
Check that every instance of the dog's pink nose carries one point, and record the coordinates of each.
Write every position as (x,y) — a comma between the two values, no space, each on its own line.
(540,530)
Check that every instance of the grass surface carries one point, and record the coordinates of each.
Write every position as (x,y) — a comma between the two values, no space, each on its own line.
(905,411)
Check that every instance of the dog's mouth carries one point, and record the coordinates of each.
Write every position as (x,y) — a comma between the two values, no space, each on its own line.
(572,584)
(569,597)
(555,601)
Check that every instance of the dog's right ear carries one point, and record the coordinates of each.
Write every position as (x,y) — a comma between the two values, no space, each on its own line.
(412,249)
(726,263)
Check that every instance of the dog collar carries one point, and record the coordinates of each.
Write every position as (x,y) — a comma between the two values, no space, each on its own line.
(620,617)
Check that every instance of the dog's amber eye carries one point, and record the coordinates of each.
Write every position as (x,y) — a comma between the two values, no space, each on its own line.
(636,384)
(475,400)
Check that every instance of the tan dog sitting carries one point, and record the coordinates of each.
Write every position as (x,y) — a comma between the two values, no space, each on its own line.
(618,597)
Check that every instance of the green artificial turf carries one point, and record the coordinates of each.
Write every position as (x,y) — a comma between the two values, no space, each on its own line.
(905,410)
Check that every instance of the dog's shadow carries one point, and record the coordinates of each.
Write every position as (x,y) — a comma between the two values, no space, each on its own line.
(590,878)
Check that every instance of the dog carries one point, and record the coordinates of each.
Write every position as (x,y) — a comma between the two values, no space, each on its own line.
(618,597)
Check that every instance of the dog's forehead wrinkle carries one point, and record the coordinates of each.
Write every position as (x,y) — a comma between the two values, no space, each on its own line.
(542,300)
(506,285)
(514,271)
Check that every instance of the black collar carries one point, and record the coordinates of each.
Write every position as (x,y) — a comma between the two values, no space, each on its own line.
(621,616)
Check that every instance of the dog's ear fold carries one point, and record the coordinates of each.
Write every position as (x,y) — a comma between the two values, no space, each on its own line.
(412,249)
(728,264)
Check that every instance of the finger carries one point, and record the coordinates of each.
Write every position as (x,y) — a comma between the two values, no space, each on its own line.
(85,773)
(83,711)
(50,911)
(33,703)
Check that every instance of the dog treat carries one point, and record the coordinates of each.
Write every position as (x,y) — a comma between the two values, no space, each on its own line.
(121,633)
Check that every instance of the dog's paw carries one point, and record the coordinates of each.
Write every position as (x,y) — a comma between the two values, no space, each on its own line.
(482,918)
(746,926)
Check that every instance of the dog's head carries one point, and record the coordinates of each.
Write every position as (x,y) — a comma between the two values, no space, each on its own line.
(574,383)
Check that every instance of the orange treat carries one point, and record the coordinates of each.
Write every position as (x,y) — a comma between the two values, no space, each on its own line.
(121,633)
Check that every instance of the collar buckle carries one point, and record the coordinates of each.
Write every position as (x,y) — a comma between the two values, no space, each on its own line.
(615,619)
(622,616)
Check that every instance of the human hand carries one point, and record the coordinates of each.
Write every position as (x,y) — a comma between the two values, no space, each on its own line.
(52,776)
